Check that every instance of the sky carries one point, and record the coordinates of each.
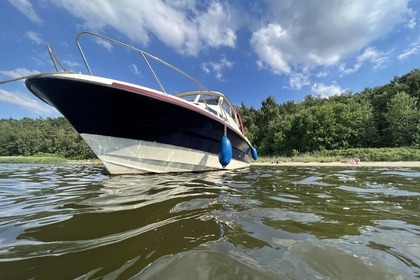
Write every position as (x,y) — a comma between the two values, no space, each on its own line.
(249,50)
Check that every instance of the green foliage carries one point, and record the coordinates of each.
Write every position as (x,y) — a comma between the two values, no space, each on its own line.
(403,118)
(385,116)
(364,154)
(35,137)
(33,159)
(376,154)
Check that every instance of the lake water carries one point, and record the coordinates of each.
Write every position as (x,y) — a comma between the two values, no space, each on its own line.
(75,222)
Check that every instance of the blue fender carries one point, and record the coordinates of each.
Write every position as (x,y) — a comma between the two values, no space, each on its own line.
(254,153)
(225,151)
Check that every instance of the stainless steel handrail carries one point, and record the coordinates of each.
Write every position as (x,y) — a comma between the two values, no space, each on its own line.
(55,59)
(142,53)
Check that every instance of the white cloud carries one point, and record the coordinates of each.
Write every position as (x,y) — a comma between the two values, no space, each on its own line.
(179,24)
(33,36)
(377,58)
(298,80)
(18,72)
(134,68)
(412,50)
(371,55)
(272,45)
(20,99)
(321,74)
(23,101)
(326,90)
(25,7)
(302,34)
(217,67)
(107,45)
(214,27)
(411,24)
(71,64)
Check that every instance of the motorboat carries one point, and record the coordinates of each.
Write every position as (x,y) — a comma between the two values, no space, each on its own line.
(136,129)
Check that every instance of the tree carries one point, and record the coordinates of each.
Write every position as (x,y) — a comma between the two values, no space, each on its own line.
(403,117)
(30,137)
(355,124)
(248,119)
(268,113)
(7,137)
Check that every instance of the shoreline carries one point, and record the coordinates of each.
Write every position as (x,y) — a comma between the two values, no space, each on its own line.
(339,164)
(52,160)
(44,160)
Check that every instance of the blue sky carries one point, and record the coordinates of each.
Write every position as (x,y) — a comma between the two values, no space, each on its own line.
(248,50)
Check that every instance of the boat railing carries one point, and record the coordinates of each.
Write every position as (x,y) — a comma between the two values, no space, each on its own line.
(55,59)
(146,56)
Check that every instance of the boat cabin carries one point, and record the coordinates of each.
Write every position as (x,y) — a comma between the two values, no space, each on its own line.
(216,103)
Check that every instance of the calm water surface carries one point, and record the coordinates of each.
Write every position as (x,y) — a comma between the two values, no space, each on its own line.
(75,222)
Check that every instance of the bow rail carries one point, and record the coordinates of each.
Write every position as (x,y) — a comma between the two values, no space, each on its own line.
(144,55)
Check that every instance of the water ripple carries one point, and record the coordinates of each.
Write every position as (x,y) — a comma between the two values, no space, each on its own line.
(72,221)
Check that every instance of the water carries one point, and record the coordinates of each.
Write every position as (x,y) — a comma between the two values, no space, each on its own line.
(74,222)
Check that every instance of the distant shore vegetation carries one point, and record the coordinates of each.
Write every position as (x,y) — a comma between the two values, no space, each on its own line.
(377,124)
(50,159)
(51,137)
(45,159)
(362,155)
(379,118)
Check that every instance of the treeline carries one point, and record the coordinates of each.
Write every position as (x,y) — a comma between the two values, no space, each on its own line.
(34,137)
(384,116)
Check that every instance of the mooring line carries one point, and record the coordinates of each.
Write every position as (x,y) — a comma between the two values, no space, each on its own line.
(34,75)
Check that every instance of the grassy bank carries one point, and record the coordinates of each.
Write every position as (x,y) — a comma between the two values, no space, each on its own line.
(43,160)
(33,159)
(367,155)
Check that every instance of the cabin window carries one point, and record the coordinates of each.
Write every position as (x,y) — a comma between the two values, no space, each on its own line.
(190,98)
(228,110)
(209,100)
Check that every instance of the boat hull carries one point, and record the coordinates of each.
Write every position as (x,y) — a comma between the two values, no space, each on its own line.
(129,156)
(135,129)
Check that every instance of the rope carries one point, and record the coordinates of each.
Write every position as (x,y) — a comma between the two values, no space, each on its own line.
(34,76)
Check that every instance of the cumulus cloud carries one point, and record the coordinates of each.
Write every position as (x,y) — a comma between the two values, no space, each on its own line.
(303,40)
(302,34)
(178,24)
(25,102)
(326,90)
(273,46)
(25,7)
